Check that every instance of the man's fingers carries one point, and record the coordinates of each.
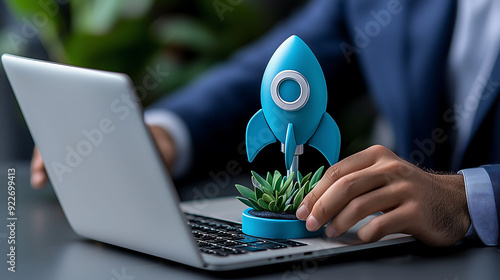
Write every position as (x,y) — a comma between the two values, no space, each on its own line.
(348,165)
(341,193)
(38,174)
(395,221)
(360,208)
(165,145)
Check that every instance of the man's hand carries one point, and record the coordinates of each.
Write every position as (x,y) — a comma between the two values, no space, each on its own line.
(38,174)
(162,138)
(431,207)
(165,145)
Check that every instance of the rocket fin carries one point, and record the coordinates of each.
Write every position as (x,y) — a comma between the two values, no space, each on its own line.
(290,146)
(326,139)
(258,135)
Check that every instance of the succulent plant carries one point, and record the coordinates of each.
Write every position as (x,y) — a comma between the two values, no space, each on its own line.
(278,193)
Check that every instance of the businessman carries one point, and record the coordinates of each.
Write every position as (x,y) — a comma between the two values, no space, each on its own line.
(433,70)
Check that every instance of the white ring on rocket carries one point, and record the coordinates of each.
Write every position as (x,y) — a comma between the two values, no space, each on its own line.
(304,90)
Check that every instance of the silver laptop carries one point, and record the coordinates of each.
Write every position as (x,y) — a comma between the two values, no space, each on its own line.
(112,184)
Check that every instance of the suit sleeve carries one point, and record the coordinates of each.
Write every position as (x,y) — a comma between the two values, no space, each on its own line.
(217,106)
(482,186)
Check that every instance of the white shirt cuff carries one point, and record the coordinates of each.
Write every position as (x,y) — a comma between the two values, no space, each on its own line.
(179,132)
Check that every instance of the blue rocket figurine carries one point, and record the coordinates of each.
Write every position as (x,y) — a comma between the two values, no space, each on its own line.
(293,96)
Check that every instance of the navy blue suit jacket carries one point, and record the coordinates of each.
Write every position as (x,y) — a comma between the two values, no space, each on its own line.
(400,49)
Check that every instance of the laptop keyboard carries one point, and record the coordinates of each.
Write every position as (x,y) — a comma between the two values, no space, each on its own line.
(223,238)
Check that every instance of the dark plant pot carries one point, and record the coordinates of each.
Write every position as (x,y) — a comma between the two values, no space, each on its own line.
(275,228)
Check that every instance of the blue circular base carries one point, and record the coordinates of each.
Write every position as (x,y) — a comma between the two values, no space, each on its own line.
(274,228)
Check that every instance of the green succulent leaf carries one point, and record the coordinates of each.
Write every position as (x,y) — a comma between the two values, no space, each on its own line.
(255,204)
(298,199)
(289,189)
(267,198)
(276,179)
(269,178)
(250,202)
(305,179)
(265,185)
(291,197)
(256,184)
(280,202)
(258,193)
(263,204)
(306,188)
(245,201)
(246,192)
(288,208)
(311,187)
(299,176)
(272,205)
(279,184)
(286,184)
(317,176)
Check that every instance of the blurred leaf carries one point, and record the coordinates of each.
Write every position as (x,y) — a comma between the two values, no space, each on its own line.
(186,32)
(135,9)
(43,19)
(184,38)
(95,17)
(23,8)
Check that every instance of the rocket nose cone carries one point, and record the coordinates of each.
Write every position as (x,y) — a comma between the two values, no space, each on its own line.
(293,43)
(293,54)
(294,39)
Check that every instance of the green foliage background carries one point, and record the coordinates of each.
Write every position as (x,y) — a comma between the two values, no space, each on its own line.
(183,38)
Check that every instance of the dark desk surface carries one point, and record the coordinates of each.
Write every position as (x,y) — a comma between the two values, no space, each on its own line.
(47,248)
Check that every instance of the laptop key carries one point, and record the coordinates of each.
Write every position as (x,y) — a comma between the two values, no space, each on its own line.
(207,237)
(218,240)
(272,246)
(291,243)
(231,243)
(202,243)
(213,252)
(247,239)
(267,245)
(228,250)
(251,248)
